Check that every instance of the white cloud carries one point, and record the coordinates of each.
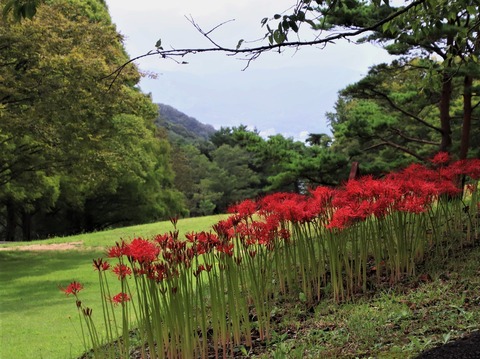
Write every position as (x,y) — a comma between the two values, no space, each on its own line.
(268,132)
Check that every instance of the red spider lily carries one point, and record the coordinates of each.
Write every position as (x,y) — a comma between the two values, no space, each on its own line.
(350,214)
(245,209)
(470,188)
(287,207)
(158,272)
(142,250)
(100,265)
(87,312)
(72,288)
(412,204)
(206,242)
(225,228)
(263,232)
(472,169)
(120,298)
(117,251)
(226,248)
(320,199)
(121,270)
(441,158)
(469,167)
(174,221)
(199,270)
(162,239)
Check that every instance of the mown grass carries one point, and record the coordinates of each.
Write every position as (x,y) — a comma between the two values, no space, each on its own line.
(109,237)
(440,304)
(36,319)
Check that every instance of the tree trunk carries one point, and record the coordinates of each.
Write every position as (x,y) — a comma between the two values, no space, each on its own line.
(467,117)
(445,98)
(445,113)
(26,226)
(11,222)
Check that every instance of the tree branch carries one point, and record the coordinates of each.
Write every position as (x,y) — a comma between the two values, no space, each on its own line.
(412,139)
(254,52)
(405,112)
(394,145)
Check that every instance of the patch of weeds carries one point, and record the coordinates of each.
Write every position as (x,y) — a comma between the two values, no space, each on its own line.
(398,322)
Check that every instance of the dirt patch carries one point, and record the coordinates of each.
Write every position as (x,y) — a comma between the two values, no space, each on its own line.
(45,247)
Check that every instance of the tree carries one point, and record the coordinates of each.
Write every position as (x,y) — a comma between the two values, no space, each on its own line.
(388,107)
(20,9)
(68,138)
(446,30)
(234,179)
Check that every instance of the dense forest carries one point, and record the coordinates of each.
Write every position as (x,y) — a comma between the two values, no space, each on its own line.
(81,153)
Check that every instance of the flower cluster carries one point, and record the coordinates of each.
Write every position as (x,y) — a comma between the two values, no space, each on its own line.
(72,288)
(325,238)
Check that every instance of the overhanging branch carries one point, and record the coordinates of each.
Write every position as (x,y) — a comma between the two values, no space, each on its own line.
(394,145)
(254,52)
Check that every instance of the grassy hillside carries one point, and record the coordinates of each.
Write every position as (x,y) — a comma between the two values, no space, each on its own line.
(37,319)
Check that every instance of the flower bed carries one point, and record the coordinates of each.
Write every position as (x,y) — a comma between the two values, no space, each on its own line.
(218,287)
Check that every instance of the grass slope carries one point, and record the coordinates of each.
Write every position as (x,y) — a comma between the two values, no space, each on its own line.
(39,321)
(398,322)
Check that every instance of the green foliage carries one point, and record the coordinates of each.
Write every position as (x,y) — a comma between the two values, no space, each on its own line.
(20,9)
(72,143)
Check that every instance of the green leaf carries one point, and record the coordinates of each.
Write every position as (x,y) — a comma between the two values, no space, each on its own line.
(386,27)
(302,297)
(471,9)
(277,16)
(240,42)
(270,39)
(301,16)
(293,25)
(279,36)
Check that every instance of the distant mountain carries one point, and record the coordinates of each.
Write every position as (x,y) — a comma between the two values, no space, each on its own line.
(180,126)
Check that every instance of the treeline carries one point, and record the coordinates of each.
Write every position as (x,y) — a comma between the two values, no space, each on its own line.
(237,163)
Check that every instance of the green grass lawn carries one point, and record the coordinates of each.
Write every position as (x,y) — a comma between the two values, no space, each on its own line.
(37,319)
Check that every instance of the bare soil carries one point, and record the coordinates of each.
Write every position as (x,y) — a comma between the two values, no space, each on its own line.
(45,247)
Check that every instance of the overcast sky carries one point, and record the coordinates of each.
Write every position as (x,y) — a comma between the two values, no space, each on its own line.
(286,93)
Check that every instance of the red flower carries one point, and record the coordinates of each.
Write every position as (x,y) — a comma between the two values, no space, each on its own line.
(100,265)
(441,158)
(469,167)
(73,288)
(199,270)
(142,250)
(121,270)
(245,209)
(226,248)
(120,298)
(174,221)
(117,250)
